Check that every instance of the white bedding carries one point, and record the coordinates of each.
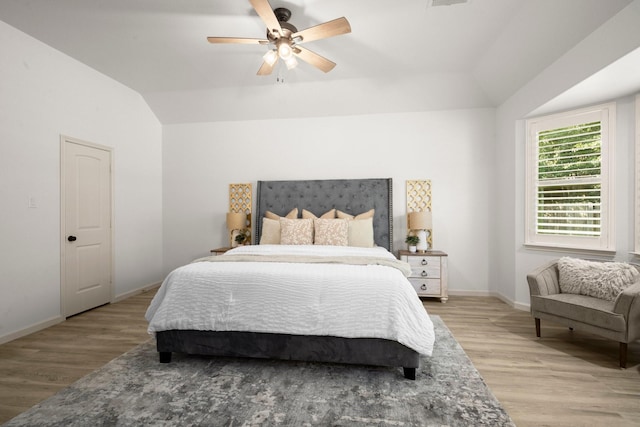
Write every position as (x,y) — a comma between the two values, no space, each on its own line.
(350,301)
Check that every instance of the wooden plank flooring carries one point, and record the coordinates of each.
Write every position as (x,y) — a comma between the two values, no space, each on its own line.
(564,379)
(37,366)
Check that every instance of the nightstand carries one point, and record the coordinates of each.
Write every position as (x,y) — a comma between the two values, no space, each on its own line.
(219,251)
(428,273)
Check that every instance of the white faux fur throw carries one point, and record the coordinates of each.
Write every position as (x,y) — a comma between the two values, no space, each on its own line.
(604,280)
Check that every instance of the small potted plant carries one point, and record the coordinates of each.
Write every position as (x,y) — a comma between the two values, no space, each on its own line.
(412,241)
(241,238)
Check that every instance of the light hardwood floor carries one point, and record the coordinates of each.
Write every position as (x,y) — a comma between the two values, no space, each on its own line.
(37,366)
(564,379)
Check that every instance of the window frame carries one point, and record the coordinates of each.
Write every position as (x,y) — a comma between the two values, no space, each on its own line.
(606,114)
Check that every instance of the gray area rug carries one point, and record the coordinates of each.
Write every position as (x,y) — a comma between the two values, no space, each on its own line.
(136,390)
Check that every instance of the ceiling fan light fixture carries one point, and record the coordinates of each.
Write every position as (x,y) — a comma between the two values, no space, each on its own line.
(284,50)
(291,62)
(271,57)
(284,39)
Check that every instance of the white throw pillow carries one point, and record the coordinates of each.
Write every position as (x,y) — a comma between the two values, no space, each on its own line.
(361,233)
(603,280)
(270,233)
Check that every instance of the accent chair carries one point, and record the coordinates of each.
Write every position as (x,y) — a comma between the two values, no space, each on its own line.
(618,320)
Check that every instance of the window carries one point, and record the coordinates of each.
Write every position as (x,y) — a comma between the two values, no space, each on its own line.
(569,187)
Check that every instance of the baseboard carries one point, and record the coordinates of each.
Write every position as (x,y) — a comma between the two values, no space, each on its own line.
(514,304)
(138,291)
(31,329)
(59,319)
(473,293)
(508,301)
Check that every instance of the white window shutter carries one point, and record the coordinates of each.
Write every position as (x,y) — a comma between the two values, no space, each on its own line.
(569,188)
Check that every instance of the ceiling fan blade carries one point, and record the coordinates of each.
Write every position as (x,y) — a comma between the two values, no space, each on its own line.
(264,10)
(265,69)
(239,40)
(314,59)
(323,31)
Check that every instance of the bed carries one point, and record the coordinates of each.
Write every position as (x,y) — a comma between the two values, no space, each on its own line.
(316,303)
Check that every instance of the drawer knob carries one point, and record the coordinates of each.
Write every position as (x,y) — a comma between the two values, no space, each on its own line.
(423,287)
(424,262)
(424,273)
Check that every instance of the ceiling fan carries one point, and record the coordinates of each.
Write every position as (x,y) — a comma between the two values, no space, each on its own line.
(285,39)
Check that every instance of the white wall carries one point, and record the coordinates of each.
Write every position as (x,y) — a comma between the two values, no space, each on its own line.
(43,94)
(171,183)
(447,147)
(510,261)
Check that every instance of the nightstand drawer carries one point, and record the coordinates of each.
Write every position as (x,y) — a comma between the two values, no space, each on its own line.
(426,286)
(431,272)
(416,260)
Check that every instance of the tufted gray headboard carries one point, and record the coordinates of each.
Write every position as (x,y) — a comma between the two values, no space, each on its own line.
(352,196)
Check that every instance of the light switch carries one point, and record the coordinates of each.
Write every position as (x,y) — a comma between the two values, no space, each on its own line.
(32,202)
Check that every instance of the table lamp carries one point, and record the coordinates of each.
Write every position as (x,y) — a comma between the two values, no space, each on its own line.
(236,222)
(420,222)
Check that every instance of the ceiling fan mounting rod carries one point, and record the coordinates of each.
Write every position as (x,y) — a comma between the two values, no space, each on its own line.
(282,14)
(287,31)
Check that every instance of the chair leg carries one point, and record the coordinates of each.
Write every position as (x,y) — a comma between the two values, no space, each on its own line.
(537,327)
(623,355)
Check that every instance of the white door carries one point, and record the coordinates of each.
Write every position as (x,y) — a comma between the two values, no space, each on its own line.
(86,222)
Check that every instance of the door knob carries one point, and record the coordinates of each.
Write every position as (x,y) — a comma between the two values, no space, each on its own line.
(72,238)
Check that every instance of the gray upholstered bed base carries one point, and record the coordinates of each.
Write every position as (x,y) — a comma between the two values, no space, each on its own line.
(360,351)
(352,196)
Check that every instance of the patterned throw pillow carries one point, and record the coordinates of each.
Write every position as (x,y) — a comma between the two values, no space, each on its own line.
(296,231)
(604,280)
(332,232)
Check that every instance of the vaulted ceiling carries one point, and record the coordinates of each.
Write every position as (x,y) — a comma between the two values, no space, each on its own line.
(401,54)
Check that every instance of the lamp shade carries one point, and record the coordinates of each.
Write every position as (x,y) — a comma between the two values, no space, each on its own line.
(236,220)
(271,57)
(420,220)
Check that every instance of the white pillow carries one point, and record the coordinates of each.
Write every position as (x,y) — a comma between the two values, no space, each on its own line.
(361,233)
(603,280)
(270,233)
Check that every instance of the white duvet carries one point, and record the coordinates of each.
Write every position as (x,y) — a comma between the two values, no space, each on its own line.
(349,301)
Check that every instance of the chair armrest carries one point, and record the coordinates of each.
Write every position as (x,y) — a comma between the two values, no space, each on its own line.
(544,279)
(628,304)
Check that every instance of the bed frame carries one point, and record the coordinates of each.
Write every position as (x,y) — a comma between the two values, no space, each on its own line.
(353,196)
